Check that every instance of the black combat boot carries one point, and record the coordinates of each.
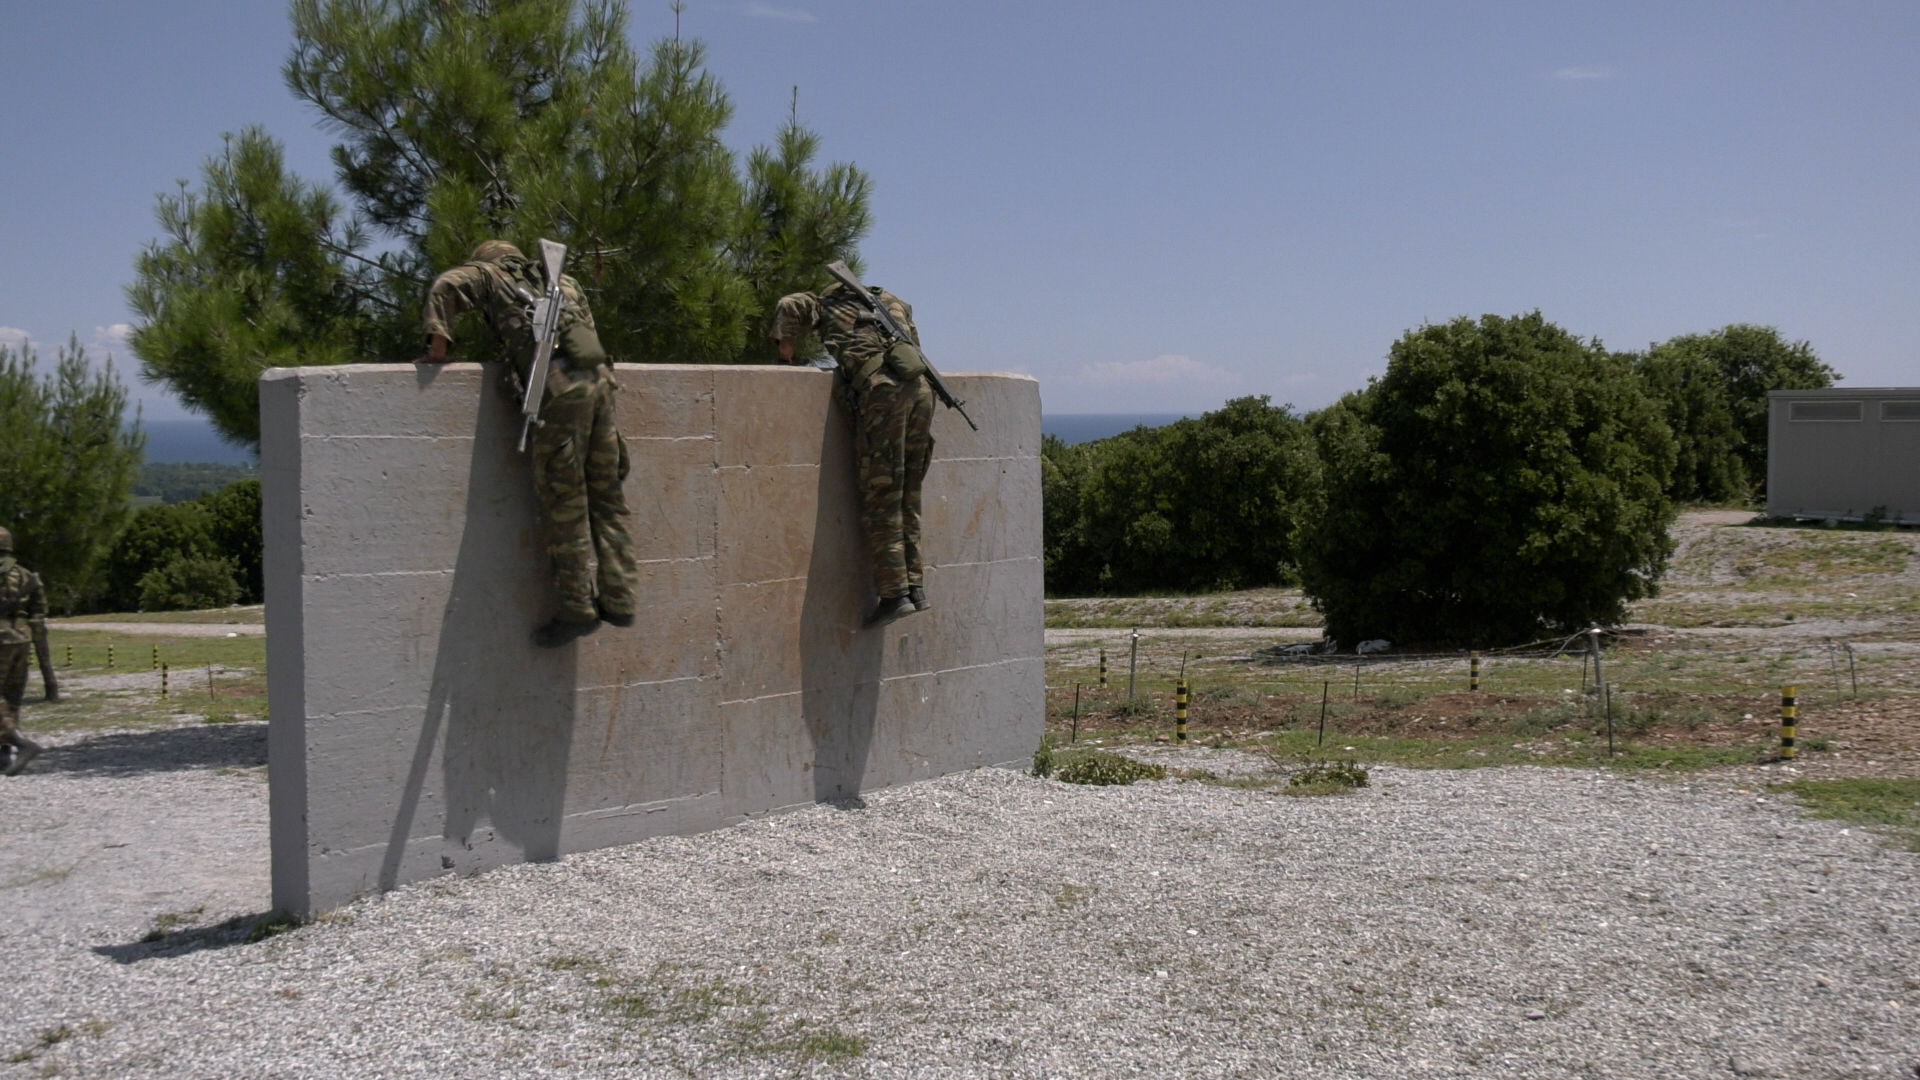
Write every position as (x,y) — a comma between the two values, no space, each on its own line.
(889,609)
(560,631)
(613,618)
(918,595)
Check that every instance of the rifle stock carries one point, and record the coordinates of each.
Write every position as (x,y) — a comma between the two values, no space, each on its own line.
(898,333)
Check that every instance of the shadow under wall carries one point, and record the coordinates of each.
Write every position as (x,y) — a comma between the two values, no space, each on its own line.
(499,711)
(839,663)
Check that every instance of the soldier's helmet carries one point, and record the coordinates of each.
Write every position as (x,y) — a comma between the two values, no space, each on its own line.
(6,540)
(494,251)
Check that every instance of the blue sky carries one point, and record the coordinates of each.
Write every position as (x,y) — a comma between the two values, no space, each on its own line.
(1155,207)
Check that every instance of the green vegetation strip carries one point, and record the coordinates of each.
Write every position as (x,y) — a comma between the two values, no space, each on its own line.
(1888,806)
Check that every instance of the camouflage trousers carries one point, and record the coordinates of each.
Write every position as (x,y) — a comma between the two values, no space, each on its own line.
(579,460)
(16,660)
(893,437)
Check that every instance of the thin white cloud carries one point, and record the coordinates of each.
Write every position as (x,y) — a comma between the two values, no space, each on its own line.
(110,341)
(1575,74)
(1169,383)
(13,337)
(1166,370)
(768,11)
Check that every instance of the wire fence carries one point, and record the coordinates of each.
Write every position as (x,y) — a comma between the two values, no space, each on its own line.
(1295,669)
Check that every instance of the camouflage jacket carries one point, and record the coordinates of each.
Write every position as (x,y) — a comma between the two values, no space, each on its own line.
(503,292)
(23,603)
(849,331)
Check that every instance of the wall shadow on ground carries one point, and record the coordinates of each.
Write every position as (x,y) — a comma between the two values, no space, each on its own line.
(131,753)
(239,930)
(502,729)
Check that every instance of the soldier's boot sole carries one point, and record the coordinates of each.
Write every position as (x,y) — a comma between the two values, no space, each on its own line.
(26,751)
(889,609)
(616,618)
(560,631)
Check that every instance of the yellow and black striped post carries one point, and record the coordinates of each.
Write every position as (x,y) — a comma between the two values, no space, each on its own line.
(1789,723)
(1103,669)
(1180,711)
(69,656)
(109,656)
(1473,672)
(163,682)
(156,658)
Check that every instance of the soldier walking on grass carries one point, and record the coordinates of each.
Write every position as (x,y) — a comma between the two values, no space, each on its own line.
(23,621)
(884,384)
(579,458)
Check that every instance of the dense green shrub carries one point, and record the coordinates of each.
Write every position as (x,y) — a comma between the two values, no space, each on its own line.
(1713,389)
(1502,480)
(233,522)
(1198,504)
(181,542)
(187,583)
(1692,393)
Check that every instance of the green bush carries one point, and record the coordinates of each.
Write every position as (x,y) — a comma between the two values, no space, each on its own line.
(1100,768)
(188,583)
(1502,481)
(233,522)
(1713,390)
(1211,503)
(220,527)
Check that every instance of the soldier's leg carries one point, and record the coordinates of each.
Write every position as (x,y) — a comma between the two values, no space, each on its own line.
(15,661)
(13,688)
(607,508)
(560,484)
(882,481)
(918,443)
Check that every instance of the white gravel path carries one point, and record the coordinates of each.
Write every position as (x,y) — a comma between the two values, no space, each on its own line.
(164,629)
(1515,922)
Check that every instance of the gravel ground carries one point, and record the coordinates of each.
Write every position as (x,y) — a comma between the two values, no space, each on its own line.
(1513,922)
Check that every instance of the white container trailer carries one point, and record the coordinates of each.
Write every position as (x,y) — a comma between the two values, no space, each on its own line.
(1844,454)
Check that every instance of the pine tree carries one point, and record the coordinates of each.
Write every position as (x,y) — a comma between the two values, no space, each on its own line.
(67,466)
(463,120)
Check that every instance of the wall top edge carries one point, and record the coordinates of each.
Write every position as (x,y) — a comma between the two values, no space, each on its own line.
(1844,392)
(324,370)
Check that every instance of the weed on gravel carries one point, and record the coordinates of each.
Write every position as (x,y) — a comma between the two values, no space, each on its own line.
(1327,778)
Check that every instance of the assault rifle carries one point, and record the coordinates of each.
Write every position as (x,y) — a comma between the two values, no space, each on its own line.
(546,327)
(898,333)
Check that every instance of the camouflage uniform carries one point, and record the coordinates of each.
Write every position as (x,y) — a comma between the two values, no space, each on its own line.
(579,457)
(23,617)
(892,406)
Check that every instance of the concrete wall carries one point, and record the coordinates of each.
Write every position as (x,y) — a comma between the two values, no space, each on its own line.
(1842,453)
(417,731)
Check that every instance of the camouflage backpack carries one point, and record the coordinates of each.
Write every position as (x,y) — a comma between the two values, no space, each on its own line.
(578,344)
